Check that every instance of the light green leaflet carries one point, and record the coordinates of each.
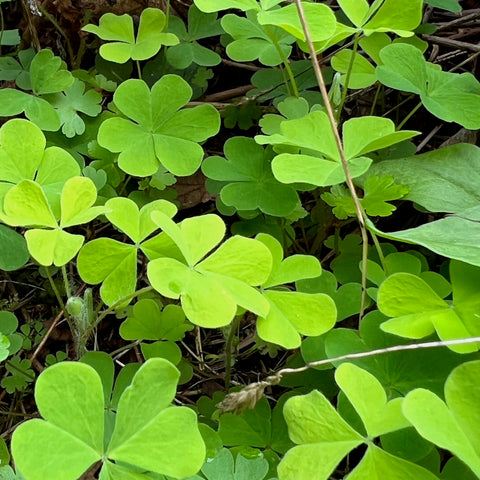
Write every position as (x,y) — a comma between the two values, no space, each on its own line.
(293,314)
(320,18)
(452,425)
(395,16)
(324,438)
(112,263)
(119,29)
(318,162)
(26,205)
(70,397)
(23,157)
(451,97)
(159,133)
(210,6)
(418,311)
(209,289)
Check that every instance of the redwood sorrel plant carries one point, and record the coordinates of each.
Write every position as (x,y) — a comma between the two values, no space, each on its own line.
(93,212)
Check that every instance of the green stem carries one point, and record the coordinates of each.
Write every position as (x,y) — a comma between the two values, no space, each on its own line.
(62,306)
(379,251)
(375,99)
(405,120)
(348,74)
(68,292)
(285,61)
(228,351)
(139,70)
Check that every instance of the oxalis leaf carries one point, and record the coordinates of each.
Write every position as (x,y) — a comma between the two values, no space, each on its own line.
(73,426)
(418,311)
(158,132)
(112,263)
(23,157)
(39,111)
(250,183)
(319,160)
(74,100)
(253,41)
(451,97)
(148,323)
(210,6)
(293,314)
(210,290)
(26,205)
(323,437)
(452,425)
(320,18)
(119,29)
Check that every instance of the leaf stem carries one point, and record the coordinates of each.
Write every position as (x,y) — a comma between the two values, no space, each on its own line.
(405,120)
(68,291)
(348,74)
(73,330)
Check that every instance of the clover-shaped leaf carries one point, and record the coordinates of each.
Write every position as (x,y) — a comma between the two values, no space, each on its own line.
(26,205)
(10,69)
(119,30)
(73,426)
(23,157)
(323,437)
(112,263)
(251,184)
(390,16)
(320,19)
(419,311)
(210,290)
(224,467)
(147,322)
(73,100)
(362,72)
(293,314)
(39,111)
(49,73)
(452,425)
(210,6)
(322,167)
(253,41)
(188,51)
(159,134)
(450,96)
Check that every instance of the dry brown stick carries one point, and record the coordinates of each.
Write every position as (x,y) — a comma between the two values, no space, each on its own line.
(448,42)
(45,338)
(227,94)
(459,20)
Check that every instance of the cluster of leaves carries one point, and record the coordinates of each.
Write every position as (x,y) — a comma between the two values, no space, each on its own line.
(69,204)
